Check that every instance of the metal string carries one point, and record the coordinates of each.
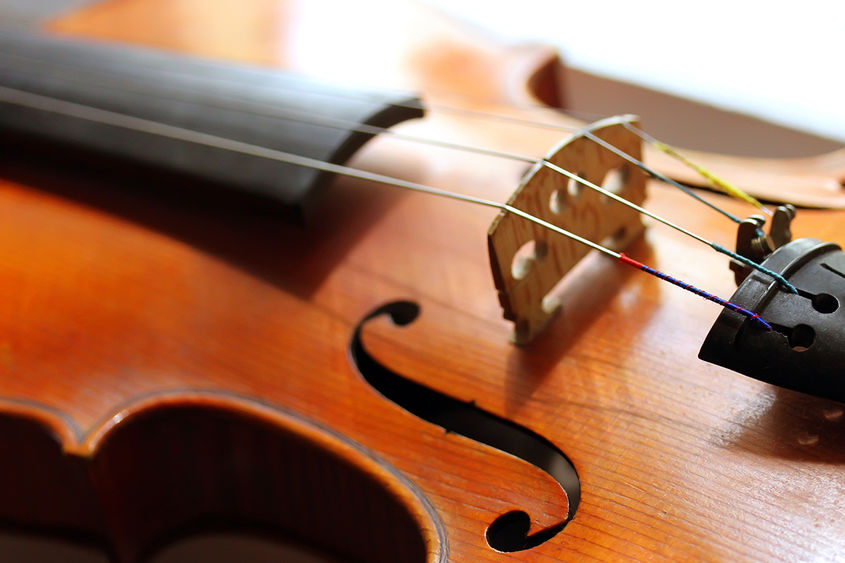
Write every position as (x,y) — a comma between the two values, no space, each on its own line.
(116,119)
(464,112)
(262,109)
(700,292)
(714,180)
(659,175)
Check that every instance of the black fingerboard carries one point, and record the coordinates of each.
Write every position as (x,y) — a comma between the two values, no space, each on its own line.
(257,106)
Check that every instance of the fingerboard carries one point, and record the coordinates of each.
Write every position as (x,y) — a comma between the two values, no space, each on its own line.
(257,106)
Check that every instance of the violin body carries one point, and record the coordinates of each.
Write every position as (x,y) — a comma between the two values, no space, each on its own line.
(167,366)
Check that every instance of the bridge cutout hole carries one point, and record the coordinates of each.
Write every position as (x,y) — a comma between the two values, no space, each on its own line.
(574,187)
(557,202)
(528,254)
(615,240)
(614,182)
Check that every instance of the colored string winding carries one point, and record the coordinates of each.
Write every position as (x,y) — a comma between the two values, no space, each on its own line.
(700,292)
(759,267)
(715,181)
(659,176)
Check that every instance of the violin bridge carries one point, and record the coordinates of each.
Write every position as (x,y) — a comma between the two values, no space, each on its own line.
(528,260)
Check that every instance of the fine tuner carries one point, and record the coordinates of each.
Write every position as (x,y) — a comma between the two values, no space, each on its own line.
(804,352)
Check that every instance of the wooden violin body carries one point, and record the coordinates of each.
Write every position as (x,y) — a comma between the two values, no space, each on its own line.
(167,366)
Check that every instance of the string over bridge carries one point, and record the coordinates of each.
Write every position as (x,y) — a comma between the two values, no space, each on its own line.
(524,277)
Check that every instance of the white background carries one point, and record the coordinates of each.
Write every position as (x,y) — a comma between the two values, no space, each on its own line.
(781,61)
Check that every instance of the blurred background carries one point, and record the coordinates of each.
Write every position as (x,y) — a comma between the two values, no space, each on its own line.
(741,77)
(777,61)
(745,77)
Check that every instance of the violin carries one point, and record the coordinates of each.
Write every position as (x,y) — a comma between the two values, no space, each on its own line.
(172,362)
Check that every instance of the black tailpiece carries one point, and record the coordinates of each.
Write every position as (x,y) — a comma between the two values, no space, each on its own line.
(806,351)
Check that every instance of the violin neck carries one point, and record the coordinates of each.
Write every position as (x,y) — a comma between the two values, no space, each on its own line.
(253,106)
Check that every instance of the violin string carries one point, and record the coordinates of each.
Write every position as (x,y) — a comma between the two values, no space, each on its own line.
(659,175)
(700,292)
(344,125)
(715,181)
(263,109)
(341,124)
(451,110)
(500,117)
(106,117)
(557,127)
(725,186)
(715,246)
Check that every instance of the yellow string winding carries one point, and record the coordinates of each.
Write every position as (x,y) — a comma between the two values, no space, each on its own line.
(714,180)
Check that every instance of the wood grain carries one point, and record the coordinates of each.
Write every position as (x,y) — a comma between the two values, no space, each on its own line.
(548,195)
(123,311)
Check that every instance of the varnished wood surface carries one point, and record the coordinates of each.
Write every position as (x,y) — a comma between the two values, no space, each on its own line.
(117,304)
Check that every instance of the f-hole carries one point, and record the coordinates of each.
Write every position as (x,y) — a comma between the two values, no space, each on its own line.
(509,531)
